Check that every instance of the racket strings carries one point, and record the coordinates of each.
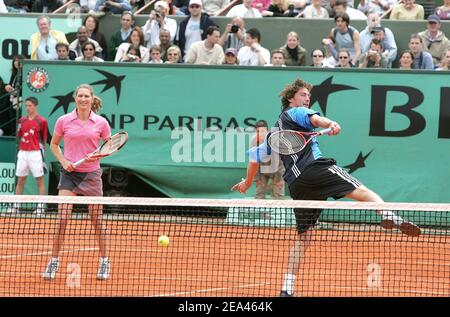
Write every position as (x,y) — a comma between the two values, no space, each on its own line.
(287,142)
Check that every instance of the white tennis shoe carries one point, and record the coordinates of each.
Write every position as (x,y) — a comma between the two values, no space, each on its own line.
(51,269)
(103,269)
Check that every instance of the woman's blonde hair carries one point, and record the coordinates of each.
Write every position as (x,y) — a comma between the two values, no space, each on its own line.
(96,104)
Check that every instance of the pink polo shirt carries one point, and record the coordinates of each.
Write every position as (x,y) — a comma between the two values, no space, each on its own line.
(82,138)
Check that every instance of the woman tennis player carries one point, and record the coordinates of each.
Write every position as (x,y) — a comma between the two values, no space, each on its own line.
(81,130)
(310,176)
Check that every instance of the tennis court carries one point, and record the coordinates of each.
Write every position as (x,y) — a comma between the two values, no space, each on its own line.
(208,256)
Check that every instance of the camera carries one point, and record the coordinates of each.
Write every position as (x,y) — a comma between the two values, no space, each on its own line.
(372,52)
(234,28)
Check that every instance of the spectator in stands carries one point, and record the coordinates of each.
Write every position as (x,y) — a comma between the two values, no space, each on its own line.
(181,7)
(295,54)
(43,43)
(32,131)
(345,60)
(14,84)
(406,60)
(385,35)
(88,50)
(373,58)
(3,9)
(133,55)
(46,6)
(137,39)
(277,59)
(317,56)
(234,34)
(379,7)
(231,57)
(244,10)
(342,7)
(14,102)
(62,49)
(407,10)
(137,4)
(16,6)
(278,8)
(174,55)
(346,36)
(208,51)
(267,181)
(261,5)
(157,20)
(443,12)
(331,55)
(315,11)
(434,40)
(165,43)
(92,25)
(122,35)
(83,37)
(5,107)
(213,7)
(253,54)
(88,6)
(445,61)
(113,6)
(155,55)
(192,29)
(422,59)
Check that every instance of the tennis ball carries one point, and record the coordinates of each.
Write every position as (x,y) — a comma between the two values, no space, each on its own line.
(163,241)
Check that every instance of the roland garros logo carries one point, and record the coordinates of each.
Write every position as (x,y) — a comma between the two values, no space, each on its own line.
(37,79)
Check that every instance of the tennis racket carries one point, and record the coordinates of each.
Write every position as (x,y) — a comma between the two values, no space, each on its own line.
(287,142)
(113,144)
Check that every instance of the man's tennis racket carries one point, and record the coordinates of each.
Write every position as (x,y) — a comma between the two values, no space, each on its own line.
(287,142)
(113,144)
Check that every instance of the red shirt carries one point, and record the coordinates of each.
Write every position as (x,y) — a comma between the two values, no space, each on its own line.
(33,133)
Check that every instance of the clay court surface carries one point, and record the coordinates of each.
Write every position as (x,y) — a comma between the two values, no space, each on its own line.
(219,260)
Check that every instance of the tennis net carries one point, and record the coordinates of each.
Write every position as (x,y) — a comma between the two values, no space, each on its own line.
(229,248)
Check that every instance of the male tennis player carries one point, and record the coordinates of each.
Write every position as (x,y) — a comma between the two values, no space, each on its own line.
(82,130)
(310,176)
(32,131)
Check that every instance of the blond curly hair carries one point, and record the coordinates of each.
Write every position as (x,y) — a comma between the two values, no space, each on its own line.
(96,104)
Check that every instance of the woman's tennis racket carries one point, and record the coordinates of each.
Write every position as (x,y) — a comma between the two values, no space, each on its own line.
(287,142)
(113,144)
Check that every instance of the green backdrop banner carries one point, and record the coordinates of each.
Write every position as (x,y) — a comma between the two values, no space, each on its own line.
(190,126)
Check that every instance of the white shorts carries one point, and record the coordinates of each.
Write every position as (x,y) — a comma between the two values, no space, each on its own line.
(29,161)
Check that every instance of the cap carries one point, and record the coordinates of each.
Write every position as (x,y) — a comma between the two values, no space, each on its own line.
(199,2)
(434,18)
(161,5)
(377,29)
(231,50)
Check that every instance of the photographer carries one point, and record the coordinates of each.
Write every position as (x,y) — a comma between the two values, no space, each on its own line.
(234,34)
(158,20)
(133,55)
(113,6)
(373,57)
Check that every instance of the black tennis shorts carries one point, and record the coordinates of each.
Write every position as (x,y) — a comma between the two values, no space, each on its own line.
(319,181)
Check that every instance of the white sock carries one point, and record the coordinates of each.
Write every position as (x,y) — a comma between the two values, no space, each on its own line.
(289,282)
(387,214)
(55,259)
(104,259)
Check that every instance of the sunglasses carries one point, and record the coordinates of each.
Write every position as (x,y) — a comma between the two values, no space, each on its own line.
(46,48)
(343,57)
(317,55)
(194,6)
(172,54)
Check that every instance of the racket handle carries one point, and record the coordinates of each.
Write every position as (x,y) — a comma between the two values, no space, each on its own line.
(325,131)
(78,163)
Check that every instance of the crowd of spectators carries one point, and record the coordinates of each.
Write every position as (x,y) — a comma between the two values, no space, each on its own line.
(196,39)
